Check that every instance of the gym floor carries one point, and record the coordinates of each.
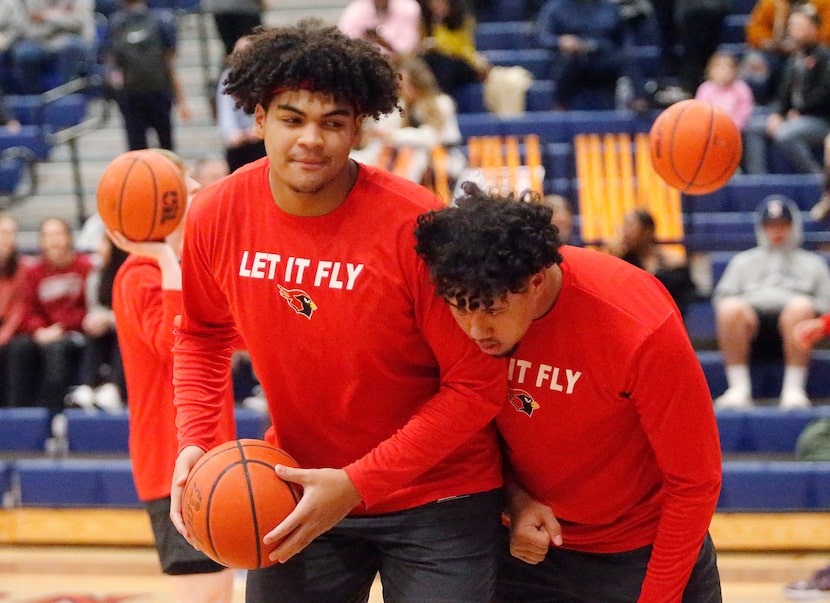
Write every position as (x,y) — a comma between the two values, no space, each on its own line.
(81,574)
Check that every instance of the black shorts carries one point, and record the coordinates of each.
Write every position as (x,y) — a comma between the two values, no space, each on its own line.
(575,577)
(767,345)
(176,554)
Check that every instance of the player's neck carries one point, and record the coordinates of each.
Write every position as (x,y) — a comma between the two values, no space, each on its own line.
(319,202)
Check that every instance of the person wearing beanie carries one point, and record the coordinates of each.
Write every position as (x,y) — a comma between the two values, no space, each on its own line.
(763,293)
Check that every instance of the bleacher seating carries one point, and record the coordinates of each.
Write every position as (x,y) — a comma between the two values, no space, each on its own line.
(775,486)
(23,429)
(764,429)
(767,377)
(75,483)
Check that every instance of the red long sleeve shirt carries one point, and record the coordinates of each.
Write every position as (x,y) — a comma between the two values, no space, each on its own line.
(144,315)
(610,421)
(55,295)
(362,364)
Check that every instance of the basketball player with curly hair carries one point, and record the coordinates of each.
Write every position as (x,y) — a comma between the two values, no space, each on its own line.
(612,451)
(383,402)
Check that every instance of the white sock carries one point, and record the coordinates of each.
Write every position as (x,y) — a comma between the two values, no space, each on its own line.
(737,377)
(794,377)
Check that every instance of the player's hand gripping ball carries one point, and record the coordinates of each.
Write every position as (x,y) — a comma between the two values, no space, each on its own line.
(695,146)
(142,195)
(233,498)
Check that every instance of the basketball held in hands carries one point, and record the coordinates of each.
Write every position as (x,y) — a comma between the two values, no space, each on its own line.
(233,498)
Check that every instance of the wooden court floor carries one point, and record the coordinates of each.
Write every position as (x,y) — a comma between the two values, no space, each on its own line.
(87,574)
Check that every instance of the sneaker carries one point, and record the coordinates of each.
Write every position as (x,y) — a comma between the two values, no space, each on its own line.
(794,397)
(821,210)
(258,403)
(815,588)
(81,397)
(734,397)
(108,398)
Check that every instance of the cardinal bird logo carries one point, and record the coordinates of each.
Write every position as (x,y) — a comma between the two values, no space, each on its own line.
(522,401)
(299,300)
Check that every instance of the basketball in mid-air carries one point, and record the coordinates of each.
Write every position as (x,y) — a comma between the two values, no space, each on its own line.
(695,146)
(233,498)
(142,195)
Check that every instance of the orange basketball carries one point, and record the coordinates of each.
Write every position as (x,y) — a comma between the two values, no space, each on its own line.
(233,498)
(695,146)
(142,195)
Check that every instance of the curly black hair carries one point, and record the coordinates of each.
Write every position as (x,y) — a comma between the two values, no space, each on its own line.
(487,245)
(313,57)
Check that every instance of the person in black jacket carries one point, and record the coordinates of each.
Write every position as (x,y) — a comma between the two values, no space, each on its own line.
(799,119)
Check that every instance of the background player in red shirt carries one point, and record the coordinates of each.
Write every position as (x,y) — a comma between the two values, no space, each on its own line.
(146,297)
(610,436)
(385,404)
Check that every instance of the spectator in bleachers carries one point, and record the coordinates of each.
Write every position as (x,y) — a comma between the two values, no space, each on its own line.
(45,353)
(146,297)
(763,293)
(448,45)
(690,31)
(586,41)
(770,45)
(562,216)
(640,27)
(209,169)
(799,118)
(101,381)
(723,88)
(57,44)
(638,245)
(141,49)
(12,307)
(12,16)
(236,128)
(429,119)
(394,26)
(234,19)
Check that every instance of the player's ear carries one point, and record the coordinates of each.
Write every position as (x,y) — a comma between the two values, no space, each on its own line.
(259,120)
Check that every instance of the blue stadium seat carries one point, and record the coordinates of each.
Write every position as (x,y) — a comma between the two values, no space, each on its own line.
(61,113)
(700,323)
(97,432)
(770,486)
(765,429)
(470,98)
(251,423)
(33,138)
(100,432)
(76,483)
(506,35)
(766,377)
(535,60)
(744,192)
(502,10)
(24,429)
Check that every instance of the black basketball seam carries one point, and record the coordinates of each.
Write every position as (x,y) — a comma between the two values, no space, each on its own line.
(124,182)
(690,182)
(254,518)
(209,508)
(155,197)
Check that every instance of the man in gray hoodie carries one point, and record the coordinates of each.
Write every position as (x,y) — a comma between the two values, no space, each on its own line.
(763,293)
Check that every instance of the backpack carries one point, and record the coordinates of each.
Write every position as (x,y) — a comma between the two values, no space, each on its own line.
(813,443)
(138,48)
